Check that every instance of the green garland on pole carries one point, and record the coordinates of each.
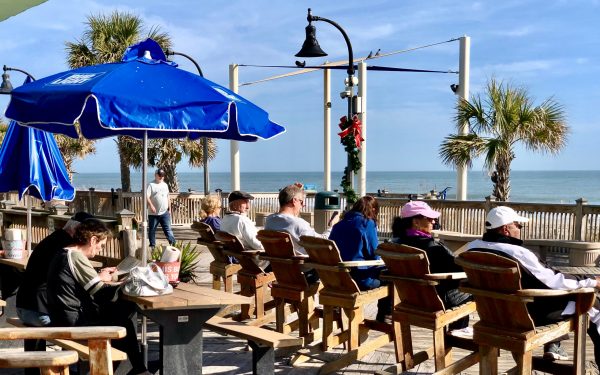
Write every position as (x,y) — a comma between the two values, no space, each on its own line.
(351,138)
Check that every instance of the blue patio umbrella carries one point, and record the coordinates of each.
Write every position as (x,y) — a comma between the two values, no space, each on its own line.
(143,96)
(31,163)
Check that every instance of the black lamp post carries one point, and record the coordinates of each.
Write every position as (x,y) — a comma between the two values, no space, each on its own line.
(311,48)
(6,87)
(168,52)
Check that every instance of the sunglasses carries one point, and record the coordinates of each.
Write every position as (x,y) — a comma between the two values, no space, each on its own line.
(518,225)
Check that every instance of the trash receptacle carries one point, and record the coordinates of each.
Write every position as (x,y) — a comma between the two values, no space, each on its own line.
(326,203)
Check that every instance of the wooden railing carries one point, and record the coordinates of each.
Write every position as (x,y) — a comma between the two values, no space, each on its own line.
(578,222)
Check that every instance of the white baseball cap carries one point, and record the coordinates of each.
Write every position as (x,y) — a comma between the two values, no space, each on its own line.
(503,215)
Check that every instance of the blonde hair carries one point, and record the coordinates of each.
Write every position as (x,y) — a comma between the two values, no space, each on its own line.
(210,204)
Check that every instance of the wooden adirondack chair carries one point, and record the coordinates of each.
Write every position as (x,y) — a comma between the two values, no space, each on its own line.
(505,323)
(221,268)
(290,286)
(253,280)
(341,291)
(419,304)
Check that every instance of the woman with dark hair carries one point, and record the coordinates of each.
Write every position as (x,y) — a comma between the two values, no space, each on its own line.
(414,229)
(356,237)
(80,296)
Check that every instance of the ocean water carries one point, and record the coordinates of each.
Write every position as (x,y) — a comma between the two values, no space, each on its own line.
(526,186)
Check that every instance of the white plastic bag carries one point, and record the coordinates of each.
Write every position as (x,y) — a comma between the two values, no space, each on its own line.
(146,281)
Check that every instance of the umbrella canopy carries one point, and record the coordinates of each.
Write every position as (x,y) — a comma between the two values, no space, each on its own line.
(144,93)
(30,162)
(143,96)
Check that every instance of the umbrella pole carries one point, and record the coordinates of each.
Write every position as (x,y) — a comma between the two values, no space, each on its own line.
(144,255)
(29,224)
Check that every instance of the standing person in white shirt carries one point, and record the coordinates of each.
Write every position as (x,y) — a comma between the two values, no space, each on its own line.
(157,195)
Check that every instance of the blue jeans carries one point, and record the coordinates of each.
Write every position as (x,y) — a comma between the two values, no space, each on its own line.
(165,222)
(33,318)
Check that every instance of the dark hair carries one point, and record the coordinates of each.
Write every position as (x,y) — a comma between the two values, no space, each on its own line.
(368,206)
(161,172)
(88,229)
(400,225)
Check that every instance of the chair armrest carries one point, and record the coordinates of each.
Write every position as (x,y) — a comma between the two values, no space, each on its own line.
(360,263)
(252,252)
(446,276)
(502,296)
(69,333)
(290,260)
(552,292)
(385,276)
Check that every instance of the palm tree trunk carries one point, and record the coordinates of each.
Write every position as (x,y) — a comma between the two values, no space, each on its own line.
(171,179)
(125,172)
(502,186)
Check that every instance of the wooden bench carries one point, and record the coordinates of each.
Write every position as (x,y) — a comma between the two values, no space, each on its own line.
(49,363)
(81,348)
(262,341)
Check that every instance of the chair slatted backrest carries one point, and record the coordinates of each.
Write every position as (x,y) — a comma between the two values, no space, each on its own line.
(408,266)
(325,257)
(208,239)
(286,265)
(492,279)
(232,244)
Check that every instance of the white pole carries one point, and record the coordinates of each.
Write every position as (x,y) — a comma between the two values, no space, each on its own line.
(144,255)
(463,92)
(327,129)
(362,115)
(234,145)
(28,224)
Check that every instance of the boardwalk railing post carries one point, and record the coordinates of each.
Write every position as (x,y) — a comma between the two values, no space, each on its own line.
(580,227)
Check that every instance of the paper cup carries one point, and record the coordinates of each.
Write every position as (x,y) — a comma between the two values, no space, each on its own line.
(13,249)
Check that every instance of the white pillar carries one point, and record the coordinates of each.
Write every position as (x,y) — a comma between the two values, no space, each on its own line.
(327,129)
(362,115)
(234,145)
(463,92)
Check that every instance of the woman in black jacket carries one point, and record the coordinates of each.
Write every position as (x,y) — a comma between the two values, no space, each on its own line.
(414,228)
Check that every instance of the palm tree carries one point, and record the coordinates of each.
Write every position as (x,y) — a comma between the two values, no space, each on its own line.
(167,153)
(105,41)
(504,116)
(3,130)
(72,149)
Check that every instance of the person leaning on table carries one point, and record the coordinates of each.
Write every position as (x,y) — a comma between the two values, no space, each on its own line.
(32,302)
(503,237)
(80,296)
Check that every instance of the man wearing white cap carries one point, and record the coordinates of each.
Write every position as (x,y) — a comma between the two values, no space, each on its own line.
(503,237)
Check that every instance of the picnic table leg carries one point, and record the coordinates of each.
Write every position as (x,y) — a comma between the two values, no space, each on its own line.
(263,359)
(181,339)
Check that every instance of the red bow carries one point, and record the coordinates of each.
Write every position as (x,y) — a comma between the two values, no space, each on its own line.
(354,127)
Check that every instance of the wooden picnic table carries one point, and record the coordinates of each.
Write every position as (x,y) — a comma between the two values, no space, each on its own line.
(181,316)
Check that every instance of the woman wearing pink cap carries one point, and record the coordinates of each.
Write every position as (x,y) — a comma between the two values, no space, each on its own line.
(415,229)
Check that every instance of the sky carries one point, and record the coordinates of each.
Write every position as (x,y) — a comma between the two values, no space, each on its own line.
(550,47)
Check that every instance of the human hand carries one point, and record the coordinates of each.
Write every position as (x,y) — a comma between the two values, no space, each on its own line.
(106,274)
(334,219)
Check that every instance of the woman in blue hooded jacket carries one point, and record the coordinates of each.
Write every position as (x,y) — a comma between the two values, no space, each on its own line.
(356,237)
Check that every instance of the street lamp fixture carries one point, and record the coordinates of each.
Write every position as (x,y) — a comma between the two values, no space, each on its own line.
(311,48)
(169,52)
(6,87)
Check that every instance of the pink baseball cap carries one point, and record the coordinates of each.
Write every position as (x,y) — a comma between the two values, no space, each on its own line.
(414,208)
